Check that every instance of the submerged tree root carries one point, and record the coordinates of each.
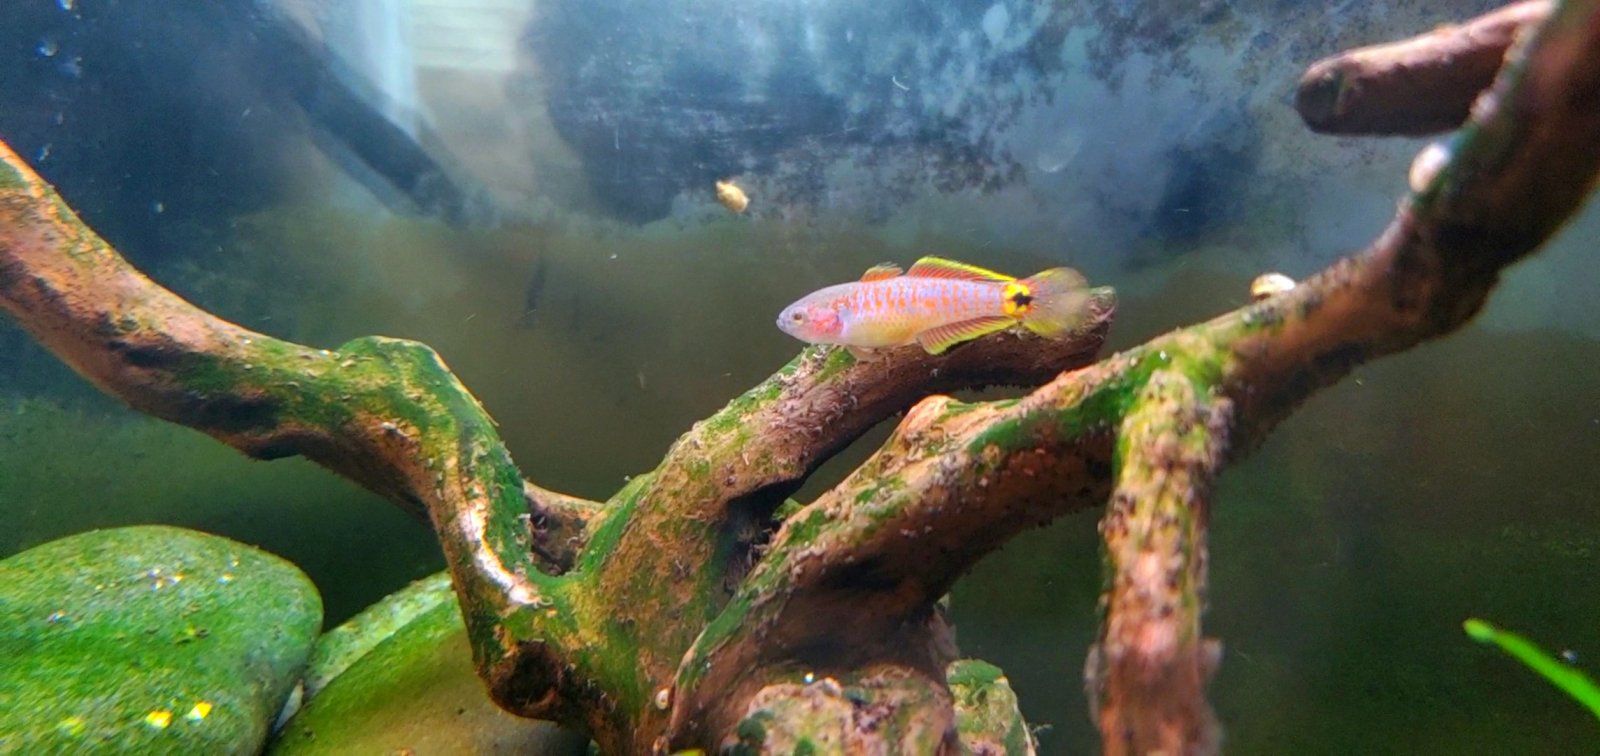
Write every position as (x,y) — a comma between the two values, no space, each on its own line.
(699,608)
(1422,85)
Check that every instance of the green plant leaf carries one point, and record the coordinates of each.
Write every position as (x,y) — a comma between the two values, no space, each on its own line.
(1563,676)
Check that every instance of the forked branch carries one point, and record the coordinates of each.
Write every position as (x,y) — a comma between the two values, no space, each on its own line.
(1422,85)
(1160,420)
(696,609)
(562,624)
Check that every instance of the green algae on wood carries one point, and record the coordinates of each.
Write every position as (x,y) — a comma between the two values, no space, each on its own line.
(592,645)
(399,678)
(148,639)
(879,709)
(10,177)
(988,717)
(583,640)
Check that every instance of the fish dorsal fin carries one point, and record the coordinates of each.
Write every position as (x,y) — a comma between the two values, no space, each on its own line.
(938,267)
(936,340)
(881,271)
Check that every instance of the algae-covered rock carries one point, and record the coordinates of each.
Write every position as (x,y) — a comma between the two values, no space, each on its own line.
(398,678)
(344,645)
(148,640)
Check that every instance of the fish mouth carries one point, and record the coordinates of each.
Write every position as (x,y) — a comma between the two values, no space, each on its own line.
(785,321)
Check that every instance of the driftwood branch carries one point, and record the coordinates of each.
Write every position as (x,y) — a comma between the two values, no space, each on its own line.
(699,608)
(1159,422)
(383,412)
(1422,85)
(1519,169)
(700,518)
(578,610)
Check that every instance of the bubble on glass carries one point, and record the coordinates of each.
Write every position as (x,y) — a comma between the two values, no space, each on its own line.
(67,5)
(48,48)
(1058,151)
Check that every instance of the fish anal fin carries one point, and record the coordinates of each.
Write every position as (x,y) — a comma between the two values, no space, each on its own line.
(881,271)
(939,267)
(936,340)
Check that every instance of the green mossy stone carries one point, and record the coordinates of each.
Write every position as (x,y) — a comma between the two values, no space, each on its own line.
(148,640)
(398,678)
(344,645)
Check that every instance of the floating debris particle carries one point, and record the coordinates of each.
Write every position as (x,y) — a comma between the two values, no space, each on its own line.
(158,719)
(201,710)
(1269,284)
(732,197)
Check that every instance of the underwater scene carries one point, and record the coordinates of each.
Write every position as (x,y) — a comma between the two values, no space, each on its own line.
(698,267)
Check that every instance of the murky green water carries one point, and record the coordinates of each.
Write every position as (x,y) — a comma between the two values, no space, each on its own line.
(596,325)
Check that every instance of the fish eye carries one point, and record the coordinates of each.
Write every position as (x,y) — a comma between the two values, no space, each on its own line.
(798,316)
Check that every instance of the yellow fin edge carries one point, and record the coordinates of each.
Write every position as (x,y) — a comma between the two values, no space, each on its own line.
(939,267)
(936,340)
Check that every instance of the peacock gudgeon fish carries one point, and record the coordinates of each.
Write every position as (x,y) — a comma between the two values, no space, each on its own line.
(938,303)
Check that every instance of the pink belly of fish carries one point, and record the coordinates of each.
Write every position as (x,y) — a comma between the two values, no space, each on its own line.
(892,313)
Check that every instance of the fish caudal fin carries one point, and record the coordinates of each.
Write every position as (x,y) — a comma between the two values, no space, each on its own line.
(1053,304)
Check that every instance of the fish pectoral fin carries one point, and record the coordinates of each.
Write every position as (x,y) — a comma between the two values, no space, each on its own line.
(881,271)
(936,340)
(863,354)
(939,267)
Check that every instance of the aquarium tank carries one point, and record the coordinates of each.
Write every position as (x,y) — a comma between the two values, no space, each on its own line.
(811,376)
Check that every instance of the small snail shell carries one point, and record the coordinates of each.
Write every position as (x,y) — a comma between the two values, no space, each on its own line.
(1268,284)
(1427,165)
(732,197)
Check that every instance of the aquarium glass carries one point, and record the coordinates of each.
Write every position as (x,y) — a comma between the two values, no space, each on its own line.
(531,188)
